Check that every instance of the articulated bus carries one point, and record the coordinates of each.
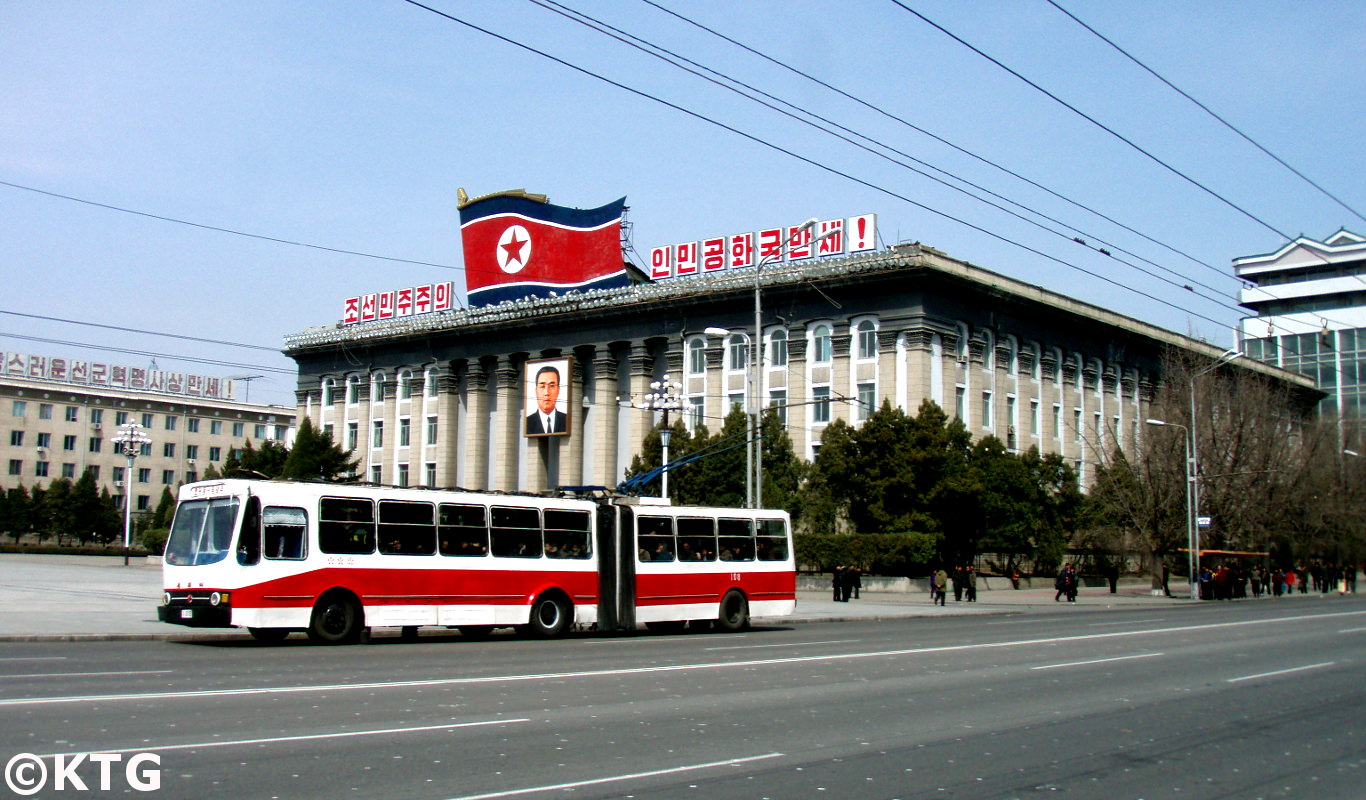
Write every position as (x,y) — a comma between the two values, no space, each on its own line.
(335,561)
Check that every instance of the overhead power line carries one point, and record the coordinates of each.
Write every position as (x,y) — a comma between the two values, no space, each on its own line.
(140,330)
(1116,134)
(807,160)
(1207,110)
(149,353)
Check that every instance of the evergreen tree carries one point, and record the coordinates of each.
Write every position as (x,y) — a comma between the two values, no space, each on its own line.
(110,525)
(54,516)
(211,474)
(84,508)
(161,518)
(266,461)
(315,456)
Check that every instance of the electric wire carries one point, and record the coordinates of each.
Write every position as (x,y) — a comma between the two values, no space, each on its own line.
(810,161)
(182,337)
(109,348)
(665,55)
(907,123)
(1207,110)
(1116,134)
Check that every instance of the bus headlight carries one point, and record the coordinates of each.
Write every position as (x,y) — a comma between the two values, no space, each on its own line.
(215,599)
(166,598)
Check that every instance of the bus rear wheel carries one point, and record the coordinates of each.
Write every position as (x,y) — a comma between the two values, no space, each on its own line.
(734,612)
(336,619)
(268,634)
(550,616)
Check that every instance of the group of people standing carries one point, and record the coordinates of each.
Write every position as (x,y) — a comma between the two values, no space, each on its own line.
(963,580)
(1233,581)
(846,582)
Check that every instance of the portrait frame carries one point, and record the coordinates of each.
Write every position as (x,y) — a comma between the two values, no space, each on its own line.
(533,425)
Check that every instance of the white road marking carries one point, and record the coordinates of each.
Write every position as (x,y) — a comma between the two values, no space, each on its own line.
(88,674)
(1098,661)
(1282,672)
(789,644)
(1125,622)
(35,658)
(713,665)
(628,777)
(1352,630)
(302,738)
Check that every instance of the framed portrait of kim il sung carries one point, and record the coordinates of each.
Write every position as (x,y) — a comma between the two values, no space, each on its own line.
(547,386)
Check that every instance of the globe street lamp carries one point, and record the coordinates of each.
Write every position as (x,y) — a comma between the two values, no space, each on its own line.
(131,439)
(1192,532)
(665,395)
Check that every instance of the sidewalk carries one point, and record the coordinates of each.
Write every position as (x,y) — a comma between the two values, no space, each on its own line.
(48,597)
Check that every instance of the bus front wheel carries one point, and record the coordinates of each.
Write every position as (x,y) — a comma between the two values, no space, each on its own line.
(550,616)
(337,619)
(734,612)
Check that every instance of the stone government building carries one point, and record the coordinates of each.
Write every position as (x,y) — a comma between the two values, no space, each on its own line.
(437,400)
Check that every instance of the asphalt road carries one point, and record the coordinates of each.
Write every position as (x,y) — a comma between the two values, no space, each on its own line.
(1242,700)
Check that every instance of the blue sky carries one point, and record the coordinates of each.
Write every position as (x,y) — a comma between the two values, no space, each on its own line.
(350,126)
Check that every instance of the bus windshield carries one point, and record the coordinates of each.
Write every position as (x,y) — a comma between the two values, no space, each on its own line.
(202,532)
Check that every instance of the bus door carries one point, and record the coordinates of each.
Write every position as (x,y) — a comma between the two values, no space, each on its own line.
(616,567)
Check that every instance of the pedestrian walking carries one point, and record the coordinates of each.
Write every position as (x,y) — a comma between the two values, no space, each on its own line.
(941,587)
(972,584)
(837,582)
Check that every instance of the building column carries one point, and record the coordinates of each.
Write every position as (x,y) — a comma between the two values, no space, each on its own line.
(601,418)
(450,426)
(473,446)
(508,454)
(633,423)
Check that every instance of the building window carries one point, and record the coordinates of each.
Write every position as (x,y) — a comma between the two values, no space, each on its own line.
(192,425)
(260,431)
(328,432)
(1057,421)
(16,467)
(352,391)
(430,478)
(16,438)
(988,420)
(329,392)
(777,400)
(168,450)
(735,400)
(144,474)
(377,389)
(1034,420)
(1076,424)
(693,414)
(867,339)
(1010,418)
(777,348)
(170,422)
(280,431)
(44,440)
(352,435)
(147,420)
(429,380)
(120,417)
(402,474)
(216,427)
(215,454)
(376,474)
(238,429)
(867,400)
(69,442)
(167,477)
(431,430)
(404,432)
(192,451)
(144,502)
(820,408)
(821,349)
(377,433)
(95,444)
(73,414)
(192,476)
(18,408)
(145,449)
(94,471)
(960,402)
(96,416)
(118,474)
(44,411)
(697,357)
(405,387)
(40,469)
(737,353)
(69,471)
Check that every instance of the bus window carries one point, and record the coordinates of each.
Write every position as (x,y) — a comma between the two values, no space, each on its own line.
(285,531)
(406,528)
(655,538)
(736,539)
(249,541)
(516,532)
(201,532)
(463,530)
(346,525)
(772,540)
(696,539)
(566,534)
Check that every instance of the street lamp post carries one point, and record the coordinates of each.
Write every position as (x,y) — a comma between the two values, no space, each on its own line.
(1224,358)
(1192,534)
(665,395)
(131,438)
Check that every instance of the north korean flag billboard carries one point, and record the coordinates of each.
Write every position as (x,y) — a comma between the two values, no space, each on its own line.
(518,245)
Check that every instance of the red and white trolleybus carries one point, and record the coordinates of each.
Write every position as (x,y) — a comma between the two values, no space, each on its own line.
(335,560)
